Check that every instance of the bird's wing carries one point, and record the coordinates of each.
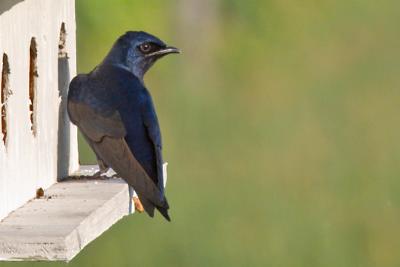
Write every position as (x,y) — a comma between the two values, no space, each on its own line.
(94,125)
(103,127)
(153,132)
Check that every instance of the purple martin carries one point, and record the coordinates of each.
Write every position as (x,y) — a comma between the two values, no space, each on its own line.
(115,113)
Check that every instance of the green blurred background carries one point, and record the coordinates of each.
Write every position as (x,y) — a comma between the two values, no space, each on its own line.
(280,124)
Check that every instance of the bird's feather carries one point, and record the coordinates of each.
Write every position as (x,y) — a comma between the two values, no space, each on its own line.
(96,126)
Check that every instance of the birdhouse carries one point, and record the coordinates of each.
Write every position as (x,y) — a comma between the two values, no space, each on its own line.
(38,143)
(40,218)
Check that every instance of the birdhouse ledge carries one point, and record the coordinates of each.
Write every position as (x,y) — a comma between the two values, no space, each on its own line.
(61,222)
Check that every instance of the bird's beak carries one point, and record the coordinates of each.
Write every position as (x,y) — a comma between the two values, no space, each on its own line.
(170,50)
(165,51)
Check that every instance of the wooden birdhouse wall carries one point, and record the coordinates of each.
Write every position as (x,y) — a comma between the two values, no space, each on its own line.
(38,144)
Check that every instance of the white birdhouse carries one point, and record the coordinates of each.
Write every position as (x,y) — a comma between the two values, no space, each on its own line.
(38,144)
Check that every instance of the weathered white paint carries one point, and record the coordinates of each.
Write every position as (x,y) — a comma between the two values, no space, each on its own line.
(57,228)
(28,162)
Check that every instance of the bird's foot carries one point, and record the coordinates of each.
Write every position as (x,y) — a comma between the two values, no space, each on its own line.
(103,170)
(98,175)
(138,205)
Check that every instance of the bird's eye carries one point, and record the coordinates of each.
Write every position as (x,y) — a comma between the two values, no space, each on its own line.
(146,48)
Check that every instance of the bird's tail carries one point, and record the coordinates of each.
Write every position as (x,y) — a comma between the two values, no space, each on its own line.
(164,213)
(150,206)
(116,153)
(164,210)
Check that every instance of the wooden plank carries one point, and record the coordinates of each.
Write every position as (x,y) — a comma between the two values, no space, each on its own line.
(57,226)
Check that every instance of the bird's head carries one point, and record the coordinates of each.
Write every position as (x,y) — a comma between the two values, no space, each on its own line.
(138,51)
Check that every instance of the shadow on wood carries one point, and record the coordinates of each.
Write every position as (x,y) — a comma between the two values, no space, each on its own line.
(63,146)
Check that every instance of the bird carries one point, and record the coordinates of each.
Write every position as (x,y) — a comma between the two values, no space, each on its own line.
(115,113)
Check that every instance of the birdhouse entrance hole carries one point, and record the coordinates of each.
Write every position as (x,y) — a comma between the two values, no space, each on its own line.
(33,74)
(5,92)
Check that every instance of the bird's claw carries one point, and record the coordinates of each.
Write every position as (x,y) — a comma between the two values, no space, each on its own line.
(97,175)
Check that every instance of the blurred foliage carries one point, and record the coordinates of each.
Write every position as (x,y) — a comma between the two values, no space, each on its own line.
(280,124)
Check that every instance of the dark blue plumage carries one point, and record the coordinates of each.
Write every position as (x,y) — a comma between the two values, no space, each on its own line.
(115,113)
